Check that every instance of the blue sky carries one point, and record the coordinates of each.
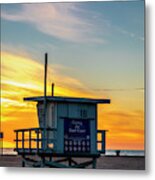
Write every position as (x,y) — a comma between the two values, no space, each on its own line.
(101,43)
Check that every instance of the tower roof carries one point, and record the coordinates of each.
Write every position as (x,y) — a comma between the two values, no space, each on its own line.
(68,99)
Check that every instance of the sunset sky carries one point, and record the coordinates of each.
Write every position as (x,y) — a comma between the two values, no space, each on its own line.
(95,50)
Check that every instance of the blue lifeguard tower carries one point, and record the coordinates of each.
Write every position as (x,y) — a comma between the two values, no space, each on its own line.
(67,130)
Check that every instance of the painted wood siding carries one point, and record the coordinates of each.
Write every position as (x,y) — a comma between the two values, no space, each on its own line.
(55,114)
(76,110)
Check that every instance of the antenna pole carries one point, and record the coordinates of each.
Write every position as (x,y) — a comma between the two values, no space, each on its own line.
(45,103)
(52,89)
(45,75)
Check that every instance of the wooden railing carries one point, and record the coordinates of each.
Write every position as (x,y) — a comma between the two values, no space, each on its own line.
(32,139)
(101,143)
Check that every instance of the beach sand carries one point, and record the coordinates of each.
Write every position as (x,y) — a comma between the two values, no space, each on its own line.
(104,162)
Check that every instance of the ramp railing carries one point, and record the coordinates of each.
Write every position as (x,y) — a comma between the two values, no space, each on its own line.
(31,139)
(101,141)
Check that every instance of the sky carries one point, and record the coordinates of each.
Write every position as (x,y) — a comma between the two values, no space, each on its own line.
(95,50)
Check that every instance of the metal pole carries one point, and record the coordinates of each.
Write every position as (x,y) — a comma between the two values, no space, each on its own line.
(1,142)
(52,89)
(94,163)
(45,84)
(2,147)
(103,141)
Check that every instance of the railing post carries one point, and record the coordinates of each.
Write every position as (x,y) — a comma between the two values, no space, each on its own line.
(94,163)
(23,140)
(17,140)
(30,140)
(37,140)
(103,141)
(48,135)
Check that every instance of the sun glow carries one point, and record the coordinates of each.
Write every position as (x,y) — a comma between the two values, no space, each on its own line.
(23,77)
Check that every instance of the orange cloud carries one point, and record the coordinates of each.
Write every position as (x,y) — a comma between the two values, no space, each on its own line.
(125,128)
(23,77)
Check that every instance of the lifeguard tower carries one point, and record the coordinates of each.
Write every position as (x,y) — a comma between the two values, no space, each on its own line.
(67,131)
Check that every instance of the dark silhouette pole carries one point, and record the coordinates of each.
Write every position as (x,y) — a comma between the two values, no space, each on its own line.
(45,103)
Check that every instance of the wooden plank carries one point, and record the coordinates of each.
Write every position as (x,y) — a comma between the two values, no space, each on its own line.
(82,165)
(103,141)
(16,140)
(37,140)
(23,140)
(94,163)
(55,164)
(61,160)
(30,140)
(35,129)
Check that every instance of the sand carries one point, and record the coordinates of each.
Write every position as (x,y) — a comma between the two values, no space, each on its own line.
(104,162)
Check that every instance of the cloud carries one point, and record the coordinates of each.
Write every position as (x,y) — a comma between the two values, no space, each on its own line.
(23,77)
(128,33)
(120,90)
(65,21)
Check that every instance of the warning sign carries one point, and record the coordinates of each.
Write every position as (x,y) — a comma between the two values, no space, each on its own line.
(76,135)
